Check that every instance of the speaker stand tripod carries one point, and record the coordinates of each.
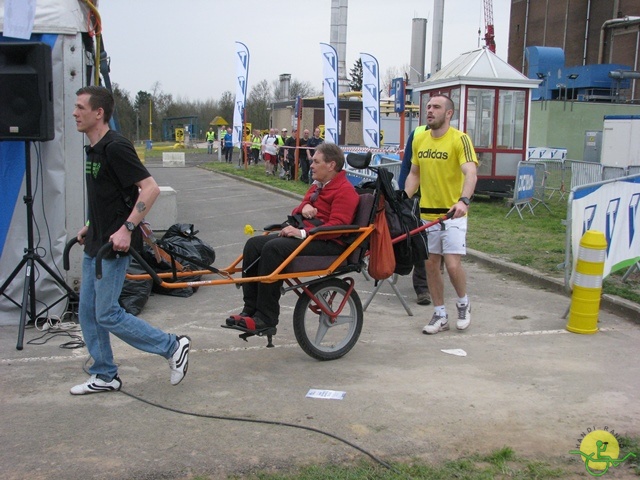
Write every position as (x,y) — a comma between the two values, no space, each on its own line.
(30,258)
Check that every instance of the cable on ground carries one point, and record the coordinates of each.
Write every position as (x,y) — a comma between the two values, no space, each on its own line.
(264,422)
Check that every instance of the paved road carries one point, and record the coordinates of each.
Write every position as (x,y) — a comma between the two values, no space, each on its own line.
(526,382)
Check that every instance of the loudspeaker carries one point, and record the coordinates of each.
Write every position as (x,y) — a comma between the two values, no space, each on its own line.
(26,91)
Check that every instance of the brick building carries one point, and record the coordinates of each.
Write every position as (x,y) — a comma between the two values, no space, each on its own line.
(588,31)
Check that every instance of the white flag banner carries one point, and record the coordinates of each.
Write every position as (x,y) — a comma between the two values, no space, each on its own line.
(370,100)
(19,16)
(330,88)
(242,73)
(614,209)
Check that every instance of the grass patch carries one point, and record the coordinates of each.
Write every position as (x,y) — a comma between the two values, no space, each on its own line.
(257,174)
(501,464)
(631,445)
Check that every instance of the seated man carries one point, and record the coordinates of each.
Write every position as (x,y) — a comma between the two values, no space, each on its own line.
(331,200)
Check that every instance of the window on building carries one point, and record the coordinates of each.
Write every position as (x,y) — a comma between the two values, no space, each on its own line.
(511,107)
(480,116)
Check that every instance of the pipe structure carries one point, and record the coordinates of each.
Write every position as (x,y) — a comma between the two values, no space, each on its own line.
(524,44)
(613,23)
(436,37)
(586,33)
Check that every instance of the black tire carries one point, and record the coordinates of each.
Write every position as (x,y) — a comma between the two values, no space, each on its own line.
(315,334)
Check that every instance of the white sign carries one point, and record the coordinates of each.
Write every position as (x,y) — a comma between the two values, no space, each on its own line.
(326,394)
(614,209)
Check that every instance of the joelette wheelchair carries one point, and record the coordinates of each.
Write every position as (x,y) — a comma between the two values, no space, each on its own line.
(328,314)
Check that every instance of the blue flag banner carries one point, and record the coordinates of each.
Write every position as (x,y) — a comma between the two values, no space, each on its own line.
(330,89)
(370,100)
(242,74)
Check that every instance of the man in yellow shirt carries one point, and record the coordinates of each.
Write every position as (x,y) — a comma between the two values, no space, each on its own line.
(444,167)
(211,136)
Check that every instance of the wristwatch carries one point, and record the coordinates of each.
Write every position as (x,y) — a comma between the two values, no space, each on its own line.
(464,200)
(130,226)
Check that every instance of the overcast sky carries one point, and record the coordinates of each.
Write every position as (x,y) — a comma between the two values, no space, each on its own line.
(189,46)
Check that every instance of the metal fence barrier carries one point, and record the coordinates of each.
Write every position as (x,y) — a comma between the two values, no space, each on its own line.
(358,176)
(561,176)
(610,173)
(555,178)
(633,170)
(386,159)
(583,173)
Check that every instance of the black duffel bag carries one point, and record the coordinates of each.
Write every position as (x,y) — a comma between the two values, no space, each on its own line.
(181,242)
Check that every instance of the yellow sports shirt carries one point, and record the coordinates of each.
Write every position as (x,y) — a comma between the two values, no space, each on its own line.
(441,178)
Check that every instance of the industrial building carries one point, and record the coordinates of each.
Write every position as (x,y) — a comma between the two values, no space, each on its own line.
(570,45)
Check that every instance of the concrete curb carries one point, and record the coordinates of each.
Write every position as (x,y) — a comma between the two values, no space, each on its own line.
(611,303)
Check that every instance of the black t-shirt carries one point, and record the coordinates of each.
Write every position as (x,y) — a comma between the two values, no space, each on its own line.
(112,169)
(312,143)
(290,143)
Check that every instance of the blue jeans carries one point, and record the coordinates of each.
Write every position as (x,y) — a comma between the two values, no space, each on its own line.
(101,314)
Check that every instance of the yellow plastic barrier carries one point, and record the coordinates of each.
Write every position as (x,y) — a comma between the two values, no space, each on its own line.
(587,284)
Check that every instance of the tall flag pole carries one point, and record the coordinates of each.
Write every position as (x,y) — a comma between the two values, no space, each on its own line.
(370,100)
(330,89)
(242,73)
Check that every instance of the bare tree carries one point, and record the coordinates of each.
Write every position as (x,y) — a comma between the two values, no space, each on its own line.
(303,89)
(390,74)
(225,106)
(258,104)
(126,114)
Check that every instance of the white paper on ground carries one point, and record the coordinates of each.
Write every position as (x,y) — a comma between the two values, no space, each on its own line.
(455,351)
(326,394)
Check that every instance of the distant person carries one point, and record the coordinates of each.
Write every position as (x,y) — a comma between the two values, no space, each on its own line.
(228,145)
(312,143)
(120,192)
(211,136)
(444,168)
(303,160)
(419,276)
(290,155)
(270,151)
(256,145)
(282,152)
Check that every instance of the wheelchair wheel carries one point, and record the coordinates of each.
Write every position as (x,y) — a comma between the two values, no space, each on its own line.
(316,334)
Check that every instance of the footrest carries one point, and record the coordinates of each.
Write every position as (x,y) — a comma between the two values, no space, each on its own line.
(269,332)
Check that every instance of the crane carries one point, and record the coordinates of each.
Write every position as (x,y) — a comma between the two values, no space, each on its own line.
(489,36)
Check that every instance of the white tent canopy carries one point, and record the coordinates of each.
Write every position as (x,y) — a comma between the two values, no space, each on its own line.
(57,166)
(56,16)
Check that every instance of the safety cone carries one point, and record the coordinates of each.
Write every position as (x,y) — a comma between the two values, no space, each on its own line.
(587,284)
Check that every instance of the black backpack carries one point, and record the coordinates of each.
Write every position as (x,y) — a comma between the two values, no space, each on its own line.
(403,215)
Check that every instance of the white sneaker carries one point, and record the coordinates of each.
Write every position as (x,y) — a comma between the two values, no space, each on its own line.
(464,316)
(96,385)
(179,361)
(437,324)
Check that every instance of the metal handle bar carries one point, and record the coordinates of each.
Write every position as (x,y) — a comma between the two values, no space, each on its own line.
(423,227)
(65,253)
(109,246)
